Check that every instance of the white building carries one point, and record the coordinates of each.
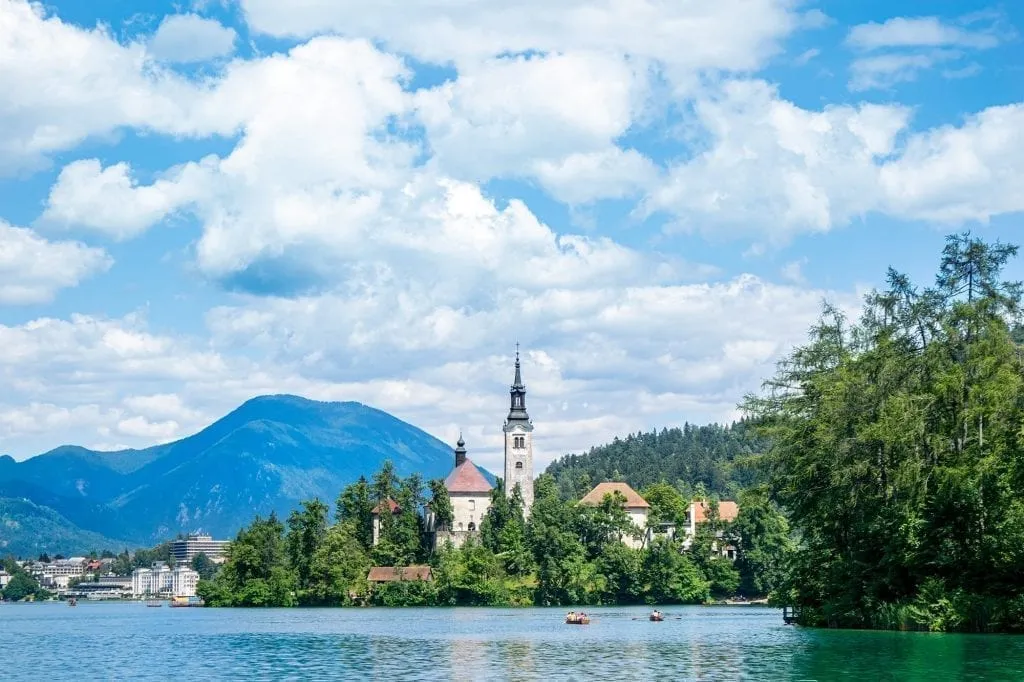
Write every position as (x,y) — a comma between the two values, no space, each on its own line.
(636,506)
(161,580)
(5,578)
(59,573)
(470,494)
(184,550)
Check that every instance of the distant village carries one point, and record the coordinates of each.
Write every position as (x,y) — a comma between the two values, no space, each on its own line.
(94,579)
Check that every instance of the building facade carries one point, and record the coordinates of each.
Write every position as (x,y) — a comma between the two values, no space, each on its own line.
(163,581)
(519,443)
(183,550)
(636,507)
(470,495)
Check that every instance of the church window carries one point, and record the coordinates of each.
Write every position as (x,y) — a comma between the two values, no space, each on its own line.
(519,465)
(460,525)
(472,526)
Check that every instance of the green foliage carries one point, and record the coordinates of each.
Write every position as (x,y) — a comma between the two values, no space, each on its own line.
(355,506)
(761,534)
(307,528)
(256,572)
(896,452)
(22,586)
(441,504)
(670,577)
(695,459)
(338,569)
(204,566)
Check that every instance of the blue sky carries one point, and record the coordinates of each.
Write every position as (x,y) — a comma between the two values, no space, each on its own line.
(205,201)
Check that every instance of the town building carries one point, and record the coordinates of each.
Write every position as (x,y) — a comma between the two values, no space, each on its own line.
(699,512)
(164,581)
(184,550)
(108,587)
(57,574)
(635,505)
(5,578)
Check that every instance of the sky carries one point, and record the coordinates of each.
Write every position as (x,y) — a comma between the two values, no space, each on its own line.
(205,201)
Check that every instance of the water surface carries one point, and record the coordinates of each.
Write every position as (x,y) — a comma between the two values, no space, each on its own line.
(131,641)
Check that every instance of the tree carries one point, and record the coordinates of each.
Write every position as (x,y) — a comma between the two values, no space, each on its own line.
(441,504)
(21,585)
(307,528)
(256,572)
(670,577)
(355,506)
(896,452)
(204,566)
(338,568)
(763,544)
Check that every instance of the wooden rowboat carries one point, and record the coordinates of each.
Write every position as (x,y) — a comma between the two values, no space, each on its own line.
(585,620)
(657,617)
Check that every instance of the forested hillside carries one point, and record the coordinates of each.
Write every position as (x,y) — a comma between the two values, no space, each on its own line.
(691,458)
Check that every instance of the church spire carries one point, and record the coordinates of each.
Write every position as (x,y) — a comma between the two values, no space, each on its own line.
(460,451)
(517,410)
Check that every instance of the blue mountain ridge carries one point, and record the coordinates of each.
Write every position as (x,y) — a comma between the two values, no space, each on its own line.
(267,455)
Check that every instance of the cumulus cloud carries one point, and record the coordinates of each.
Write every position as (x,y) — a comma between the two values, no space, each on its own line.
(191,38)
(33,269)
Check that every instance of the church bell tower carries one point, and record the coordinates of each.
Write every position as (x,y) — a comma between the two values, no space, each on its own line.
(519,443)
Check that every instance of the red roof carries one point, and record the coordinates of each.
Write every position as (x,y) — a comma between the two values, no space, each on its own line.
(466,478)
(390,503)
(633,499)
(390,574)
(727,511)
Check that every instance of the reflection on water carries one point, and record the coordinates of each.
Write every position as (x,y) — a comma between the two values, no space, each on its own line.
(128,641)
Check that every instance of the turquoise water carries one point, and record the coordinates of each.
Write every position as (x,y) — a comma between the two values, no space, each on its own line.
(131,641)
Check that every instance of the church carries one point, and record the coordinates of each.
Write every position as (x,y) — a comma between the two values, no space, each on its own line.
(469,490)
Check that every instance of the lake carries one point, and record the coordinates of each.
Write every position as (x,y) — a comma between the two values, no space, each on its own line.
(131,641)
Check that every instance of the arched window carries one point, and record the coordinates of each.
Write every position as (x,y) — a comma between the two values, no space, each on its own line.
(519,465)
(460,525)
(472,526)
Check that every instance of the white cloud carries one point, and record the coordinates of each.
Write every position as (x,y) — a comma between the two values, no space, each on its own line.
(911,45)
(956,174)
(687,37)
(108,199)
(191,38)
(918,32)
(33,270)
(886,70)
(774,168)
(71,84)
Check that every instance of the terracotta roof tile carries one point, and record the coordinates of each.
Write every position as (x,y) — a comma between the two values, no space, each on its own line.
(390,574)
(633,499)
(466,478)
(390,503)
(727,511)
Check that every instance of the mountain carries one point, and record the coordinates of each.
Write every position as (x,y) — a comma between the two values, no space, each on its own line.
(265,456)
(27,530)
